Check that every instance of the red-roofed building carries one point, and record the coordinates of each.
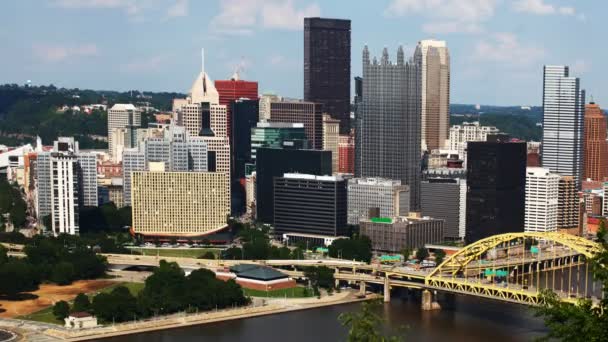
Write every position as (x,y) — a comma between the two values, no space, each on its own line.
(232,90)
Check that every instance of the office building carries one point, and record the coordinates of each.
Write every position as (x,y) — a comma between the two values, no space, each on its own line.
(232,90)
(244,117)
(542,193)
(331,131)
(121,116)
(387,142)
(596,146)
(66,181)
(389,197)
(568,206)
(563,123)
(250,194)
(433,60)
(327,67)
(278,135)
(466,132)
(346,154)
(496,179)
(274,162)
(310,204)
(446,199)
(395,234)
(265,100)
(179,204)
(296,111)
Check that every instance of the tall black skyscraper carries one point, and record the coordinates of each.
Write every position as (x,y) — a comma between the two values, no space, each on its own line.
(327,66)
(275,162)
(245,115)
(496,189)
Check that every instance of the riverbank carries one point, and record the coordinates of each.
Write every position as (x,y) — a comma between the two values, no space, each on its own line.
(260,308)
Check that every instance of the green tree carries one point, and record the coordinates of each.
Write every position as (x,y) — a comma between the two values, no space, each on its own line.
(297,253)
(81,303)
(439,256)
(61,310)
(164,290)
(406,252)
(320,276)
(208,255)
(22,276)
(357,248)
(366,325)
(422,253)
(3,255)
(582,321)
(63,273)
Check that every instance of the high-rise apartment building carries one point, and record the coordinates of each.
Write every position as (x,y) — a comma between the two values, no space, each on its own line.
(596,146)
(178,150)
(296,111)
(310,204)
(433,60)
(388,197)
(542,193)
(563,123)
(387,142)
(67,181)
(265,100)
(232,90)
(568,207)
(468,131)
(496,179)
(331,132)
(346,154)
(179,204)
(121,116)
(446,199)
(134,159)
(275,162)
(327,67)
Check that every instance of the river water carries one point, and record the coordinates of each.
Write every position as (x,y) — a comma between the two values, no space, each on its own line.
(461,319)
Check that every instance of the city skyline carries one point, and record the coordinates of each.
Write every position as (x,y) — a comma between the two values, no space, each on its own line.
(495,47)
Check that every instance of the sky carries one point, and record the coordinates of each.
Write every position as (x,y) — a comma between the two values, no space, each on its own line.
(497,47)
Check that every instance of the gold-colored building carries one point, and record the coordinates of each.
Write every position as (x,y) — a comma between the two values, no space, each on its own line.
(179,203)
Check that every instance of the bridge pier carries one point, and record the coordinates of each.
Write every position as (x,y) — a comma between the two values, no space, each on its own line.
(427,302)
(387,290)
(362,288)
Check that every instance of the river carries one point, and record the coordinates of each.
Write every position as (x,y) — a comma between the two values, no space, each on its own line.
(461,319)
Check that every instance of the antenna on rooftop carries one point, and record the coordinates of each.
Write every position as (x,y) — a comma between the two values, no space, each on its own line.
(203,61)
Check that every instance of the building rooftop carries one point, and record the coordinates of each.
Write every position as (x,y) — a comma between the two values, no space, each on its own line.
(257,272)
(123,106)
(312,177)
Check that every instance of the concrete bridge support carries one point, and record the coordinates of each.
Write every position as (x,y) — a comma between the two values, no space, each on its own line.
(387,290)
(427,302)
(362,288)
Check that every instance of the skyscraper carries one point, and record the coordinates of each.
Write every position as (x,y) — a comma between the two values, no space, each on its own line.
(563,125)
(327,67)
(387,142)
(596,147)
(232,90)
(121,116)
(496,178)
(542,192)
(308,113)
(346,154)
(446,199)
(433,60)
(244,117)
(274,162)
(331,130)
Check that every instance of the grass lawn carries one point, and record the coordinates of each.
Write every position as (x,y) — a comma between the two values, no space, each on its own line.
(178,253)
(296,292)
(46,315)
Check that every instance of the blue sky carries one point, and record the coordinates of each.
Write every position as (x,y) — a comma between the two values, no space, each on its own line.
(498,47)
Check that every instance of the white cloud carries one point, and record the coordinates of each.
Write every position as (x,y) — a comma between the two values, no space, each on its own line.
(131,7)
(506,49)
(540,7)
(243,17)
(58,53)
(179,9)
(446,16)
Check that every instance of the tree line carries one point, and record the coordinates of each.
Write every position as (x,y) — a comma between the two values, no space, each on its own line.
(166,291)
(12,203)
